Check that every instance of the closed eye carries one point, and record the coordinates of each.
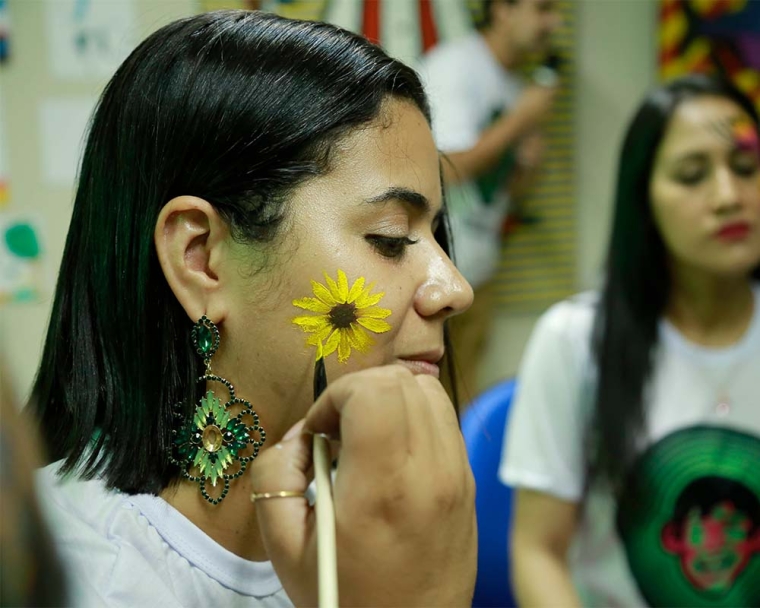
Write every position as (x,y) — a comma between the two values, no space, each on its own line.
(390,247)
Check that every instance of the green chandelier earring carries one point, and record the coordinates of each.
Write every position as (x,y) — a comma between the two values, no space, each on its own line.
(216,444)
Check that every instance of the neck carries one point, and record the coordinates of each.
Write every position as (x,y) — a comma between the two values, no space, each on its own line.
(232,523)
(711,311)
(500,48)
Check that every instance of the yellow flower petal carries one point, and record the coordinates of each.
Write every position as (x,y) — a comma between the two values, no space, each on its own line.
(320,351)
(323,294)
(324,333)
(344,346)
(333,287)
(312,304)
(360,340)
(310,324)
(342,286)
(374,325)
(373,313)
(356,290)
(367,299)
(332,342)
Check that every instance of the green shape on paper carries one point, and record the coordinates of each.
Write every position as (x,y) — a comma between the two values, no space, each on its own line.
(22,241)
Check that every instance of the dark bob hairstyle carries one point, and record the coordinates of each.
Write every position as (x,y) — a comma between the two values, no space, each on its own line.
(235,107)
(637,283)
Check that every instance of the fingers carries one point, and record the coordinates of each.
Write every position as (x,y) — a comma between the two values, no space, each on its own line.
(368,411)
(450,447)
(285,523)
(384,415)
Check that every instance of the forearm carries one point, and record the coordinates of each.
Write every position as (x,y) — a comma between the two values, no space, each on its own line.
(493,143)
(520,185)
(542,578)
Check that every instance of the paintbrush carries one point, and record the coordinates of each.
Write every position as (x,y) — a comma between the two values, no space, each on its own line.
(326,549)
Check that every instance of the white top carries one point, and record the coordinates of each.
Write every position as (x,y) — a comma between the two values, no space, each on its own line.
(468,90)
(138,551)
(546,434)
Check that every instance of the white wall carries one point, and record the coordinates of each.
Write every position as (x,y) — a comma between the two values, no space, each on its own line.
(616,55)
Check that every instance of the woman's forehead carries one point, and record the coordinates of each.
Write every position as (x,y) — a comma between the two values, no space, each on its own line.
(396,150)
(706,122)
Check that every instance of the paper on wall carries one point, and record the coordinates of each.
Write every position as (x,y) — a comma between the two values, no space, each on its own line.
(63,123)
(23,274)
(4,189)
(89,39)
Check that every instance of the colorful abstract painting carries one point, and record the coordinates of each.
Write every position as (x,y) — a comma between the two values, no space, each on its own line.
(714,36)
(4,31)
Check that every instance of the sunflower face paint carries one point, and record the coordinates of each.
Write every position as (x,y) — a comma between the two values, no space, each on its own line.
(740,132)
(344,316)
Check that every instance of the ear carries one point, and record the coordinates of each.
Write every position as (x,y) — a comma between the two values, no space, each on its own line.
(191,242)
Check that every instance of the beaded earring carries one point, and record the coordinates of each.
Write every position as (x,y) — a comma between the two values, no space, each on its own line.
(216,444)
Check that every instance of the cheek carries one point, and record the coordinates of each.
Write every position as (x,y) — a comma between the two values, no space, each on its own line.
(676,214)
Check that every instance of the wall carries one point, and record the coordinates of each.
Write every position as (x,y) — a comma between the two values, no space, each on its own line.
(616,53)
(616,61)
(26,82)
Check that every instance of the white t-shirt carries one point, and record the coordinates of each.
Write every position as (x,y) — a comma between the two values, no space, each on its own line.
(634,556)
(468,89)
(137,551)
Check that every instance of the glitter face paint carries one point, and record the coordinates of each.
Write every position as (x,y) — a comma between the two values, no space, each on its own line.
(740,132)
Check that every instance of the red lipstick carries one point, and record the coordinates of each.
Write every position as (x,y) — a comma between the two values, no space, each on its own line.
(734,232)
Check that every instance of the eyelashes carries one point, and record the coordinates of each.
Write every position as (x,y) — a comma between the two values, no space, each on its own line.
(390,247)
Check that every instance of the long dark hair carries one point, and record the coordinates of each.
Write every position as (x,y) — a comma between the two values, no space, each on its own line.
(637,282)
(237,108)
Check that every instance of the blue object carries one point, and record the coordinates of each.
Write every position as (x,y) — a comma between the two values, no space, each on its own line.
(483,429)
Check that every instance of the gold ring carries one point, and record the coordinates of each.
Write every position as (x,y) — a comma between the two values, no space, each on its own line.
(282,494)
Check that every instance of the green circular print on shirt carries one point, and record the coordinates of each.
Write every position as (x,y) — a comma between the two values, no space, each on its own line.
(689,519)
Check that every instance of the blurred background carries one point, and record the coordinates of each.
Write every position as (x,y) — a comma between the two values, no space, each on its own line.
(56,56)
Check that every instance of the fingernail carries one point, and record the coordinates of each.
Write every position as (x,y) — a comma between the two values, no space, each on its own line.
(294,431)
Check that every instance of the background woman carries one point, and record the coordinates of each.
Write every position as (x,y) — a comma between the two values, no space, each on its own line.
(241,167)
(637,405)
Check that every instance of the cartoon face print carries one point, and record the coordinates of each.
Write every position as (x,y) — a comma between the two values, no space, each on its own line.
(713,548)
(715,537)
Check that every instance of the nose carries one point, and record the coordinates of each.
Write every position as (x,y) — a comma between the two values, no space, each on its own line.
(727,195)
(445,292)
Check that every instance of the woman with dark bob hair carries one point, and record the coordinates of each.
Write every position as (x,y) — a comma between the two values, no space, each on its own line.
(256,194)
(629,397)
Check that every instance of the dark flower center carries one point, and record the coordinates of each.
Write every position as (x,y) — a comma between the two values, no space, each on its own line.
(342,315)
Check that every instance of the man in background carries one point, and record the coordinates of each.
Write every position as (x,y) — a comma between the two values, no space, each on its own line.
(486,121)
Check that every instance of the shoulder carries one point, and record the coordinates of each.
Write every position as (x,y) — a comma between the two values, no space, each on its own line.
(72,499)
(136,550)
(95,530)
(570,320)
(444,58)
(560,344)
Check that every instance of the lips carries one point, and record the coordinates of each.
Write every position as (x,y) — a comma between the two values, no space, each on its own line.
(734,232)
(419,368)
(424,363)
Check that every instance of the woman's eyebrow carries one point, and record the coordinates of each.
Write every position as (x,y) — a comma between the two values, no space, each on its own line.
(405,195)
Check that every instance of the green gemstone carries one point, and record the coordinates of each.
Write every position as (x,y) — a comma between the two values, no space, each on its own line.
(205,339)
